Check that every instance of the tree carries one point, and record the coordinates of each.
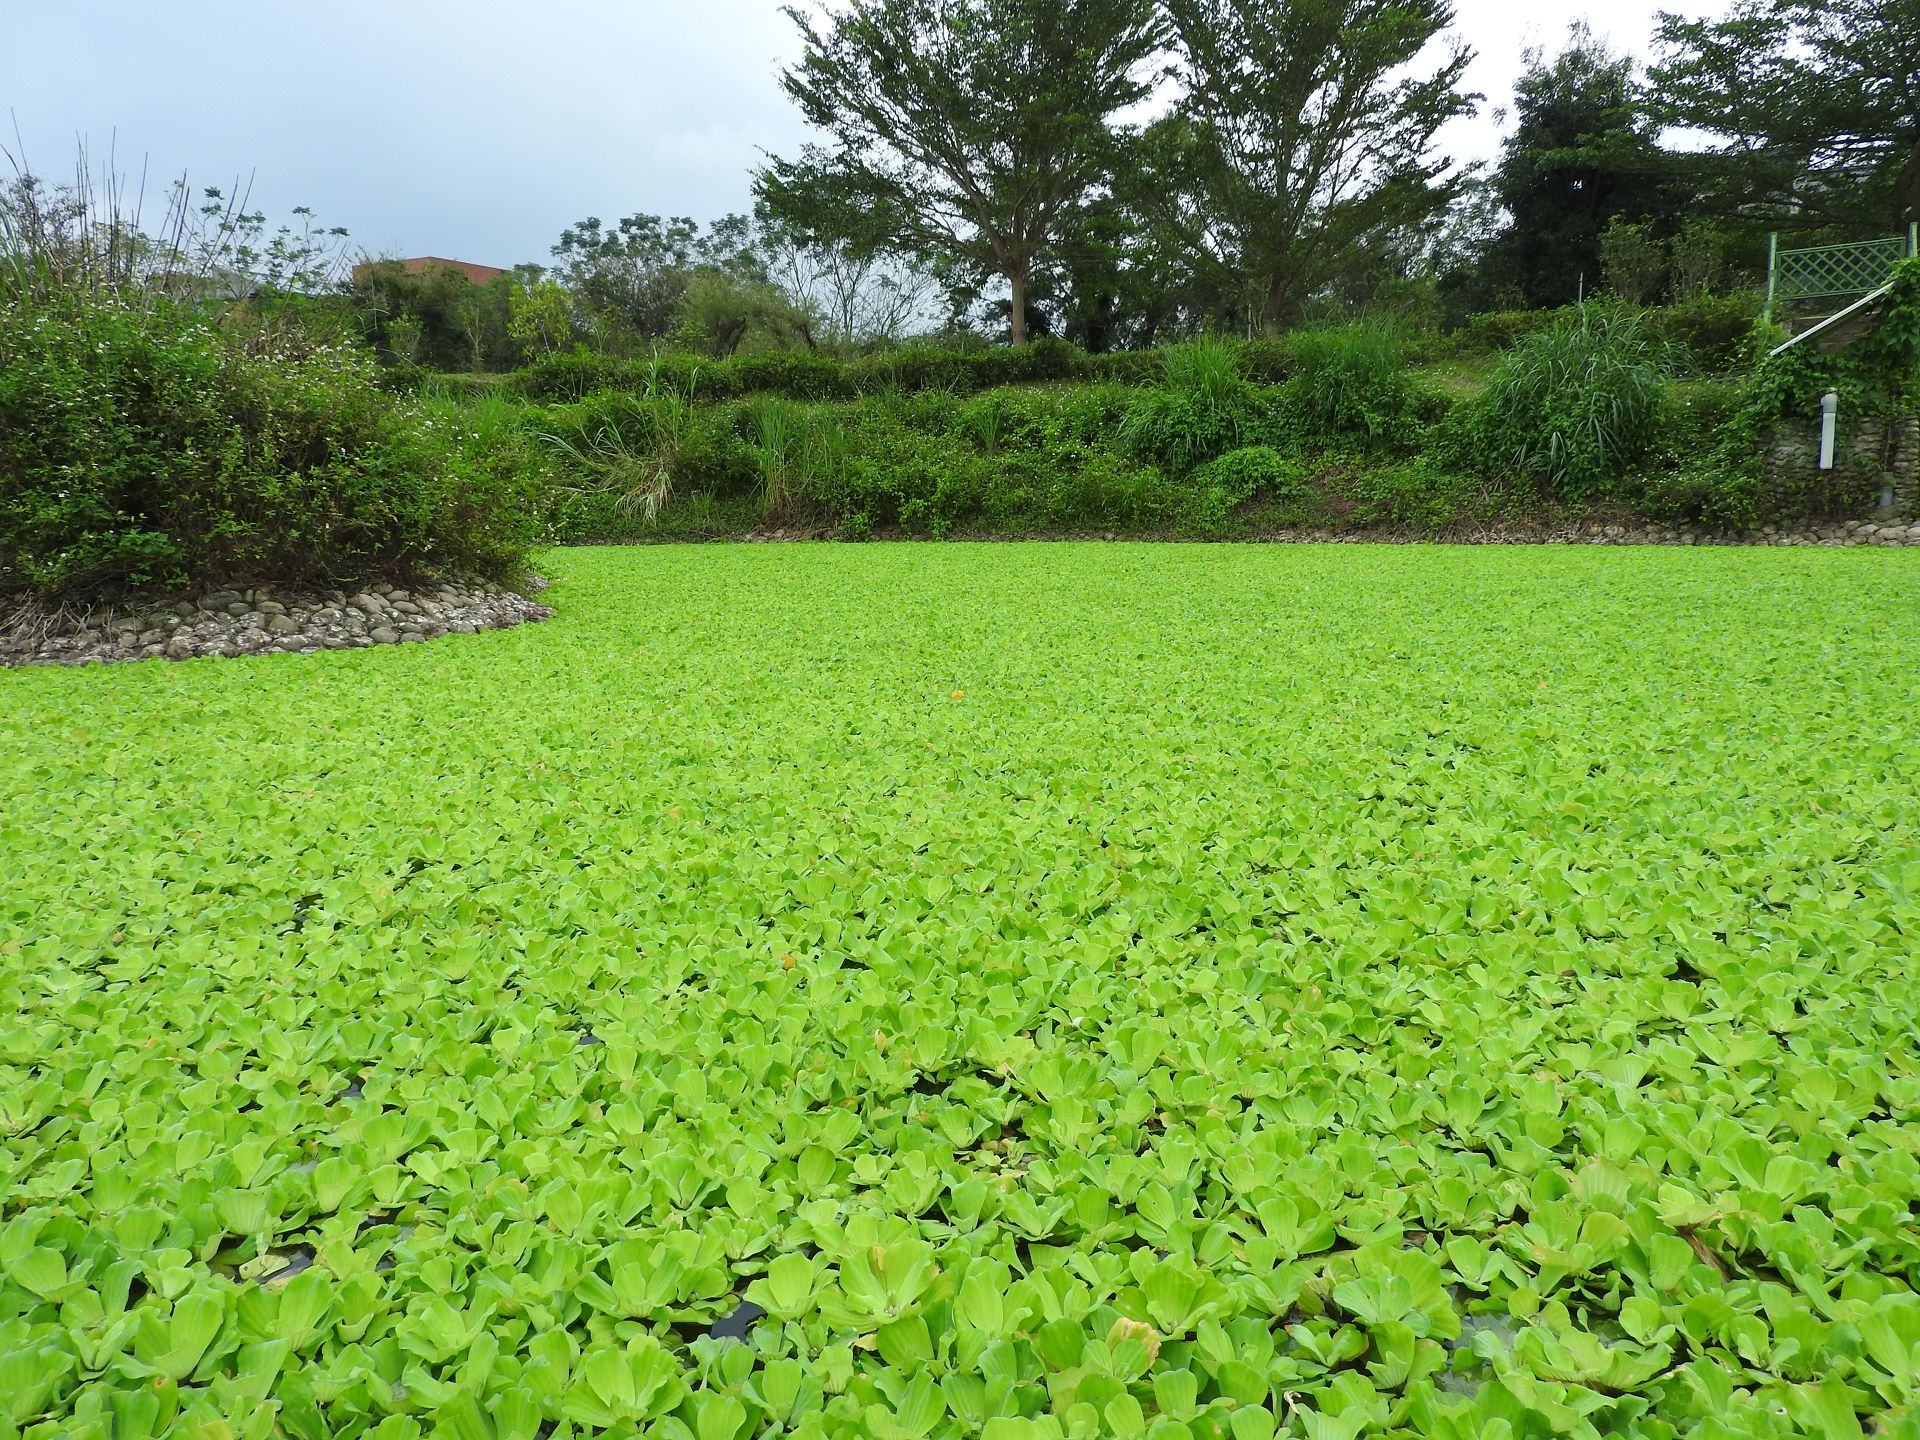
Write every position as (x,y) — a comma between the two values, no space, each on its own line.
(1813,107)
(722,311)
(971,128)
(539,315)
(862,290)
(1306,128)
(1584,150)
(443,319)
(1112,282)
(633,279)
(630,277)
(1632,261)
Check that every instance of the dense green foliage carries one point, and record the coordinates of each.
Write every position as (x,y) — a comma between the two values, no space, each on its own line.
(1303,133)
(1203,408)
(1724,482)
(965,131)
(1711,334)
(1583,153)
(438,319)
(1576,404)
(1555,413)
(1354,382)
(1075,991)
(814,376)
(150,444)
(1810,104)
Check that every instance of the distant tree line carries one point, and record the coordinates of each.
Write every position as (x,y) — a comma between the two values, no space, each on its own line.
(1125,172)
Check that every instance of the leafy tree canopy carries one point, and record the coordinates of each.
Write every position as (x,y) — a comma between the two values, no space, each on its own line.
(1812,108)
(1305,130)
(1583,151)
(966,131)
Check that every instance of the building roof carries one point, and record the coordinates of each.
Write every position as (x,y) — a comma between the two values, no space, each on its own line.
(478,274)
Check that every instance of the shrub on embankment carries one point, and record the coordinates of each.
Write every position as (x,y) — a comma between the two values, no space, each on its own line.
(147,443)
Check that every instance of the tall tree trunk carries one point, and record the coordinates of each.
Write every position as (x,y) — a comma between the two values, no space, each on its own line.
(1017,319)
(1281,307)
(1910,184)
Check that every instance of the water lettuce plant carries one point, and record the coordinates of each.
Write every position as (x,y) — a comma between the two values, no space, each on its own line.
(1024,992)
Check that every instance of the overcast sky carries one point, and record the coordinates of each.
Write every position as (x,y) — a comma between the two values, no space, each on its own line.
(478,130)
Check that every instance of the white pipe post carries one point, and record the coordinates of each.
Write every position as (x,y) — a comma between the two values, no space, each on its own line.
(1773,272)
(1829,408)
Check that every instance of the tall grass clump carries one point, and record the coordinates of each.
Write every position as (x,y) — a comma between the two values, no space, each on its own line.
(797,450)
(1572,406)
(1351,382)
(1203,408)
(621,449)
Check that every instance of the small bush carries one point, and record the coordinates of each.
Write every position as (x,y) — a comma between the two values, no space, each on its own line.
(1698,411)
(1353,382)
(913,370)
(1254,471)
(1205,409)
(795,375)
(1572,406)
(150,445)
(1416,495)
(1178,431)
(1502,329)
(1268,361)
(572,376)
(1716,332)
(1124,367)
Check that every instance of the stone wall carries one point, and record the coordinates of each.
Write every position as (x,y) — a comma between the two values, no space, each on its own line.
(1872,451)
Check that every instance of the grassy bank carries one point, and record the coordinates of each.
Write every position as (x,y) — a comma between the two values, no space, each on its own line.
(1595,413)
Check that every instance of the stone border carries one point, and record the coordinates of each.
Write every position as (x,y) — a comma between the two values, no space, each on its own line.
(1893,529)
(260,622)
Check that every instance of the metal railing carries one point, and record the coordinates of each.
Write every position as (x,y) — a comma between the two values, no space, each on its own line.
(1830,321)
(1834,272)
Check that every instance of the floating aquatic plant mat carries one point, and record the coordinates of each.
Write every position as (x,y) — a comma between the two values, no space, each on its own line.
(983,990)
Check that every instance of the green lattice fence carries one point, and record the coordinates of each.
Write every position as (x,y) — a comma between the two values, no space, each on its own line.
(1835,272)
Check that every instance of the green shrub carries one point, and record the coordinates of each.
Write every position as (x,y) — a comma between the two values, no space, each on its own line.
(713,459)
(442,384)
(796,375)
(805,375)
(572,376)
(1222,485)
(1716,332)
(1124,367)
(1268,361)
(1572,406)
(1416,495)
(1088,415)
(1352,382)
(1205,408)
(926,483)
(915,369)
(1178,431)
(1725,485)
(1206,369)
(146,445)
(1502,329)
(1698,411)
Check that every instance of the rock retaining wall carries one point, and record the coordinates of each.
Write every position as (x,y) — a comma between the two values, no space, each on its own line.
(1878,451)
(259,622)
